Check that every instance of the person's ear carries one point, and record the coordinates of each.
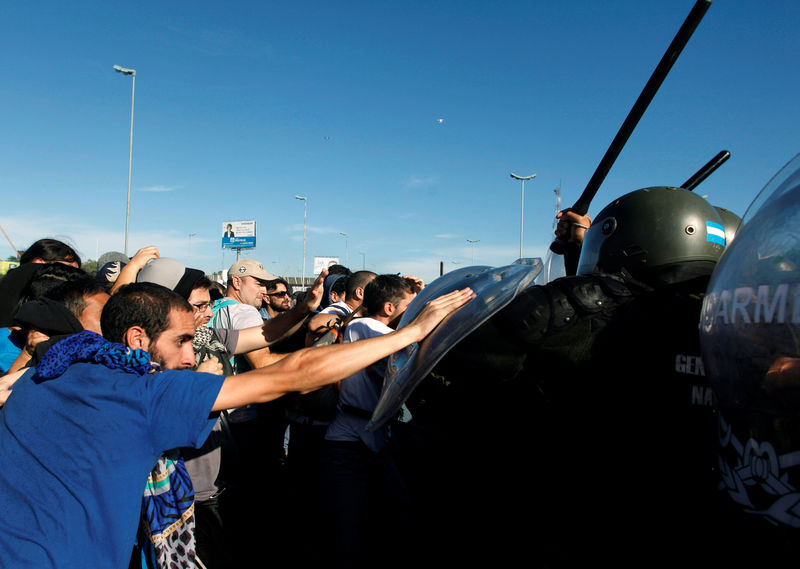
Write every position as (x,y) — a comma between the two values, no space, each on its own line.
(136,338)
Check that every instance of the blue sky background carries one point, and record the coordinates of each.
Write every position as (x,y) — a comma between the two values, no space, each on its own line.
(240,106)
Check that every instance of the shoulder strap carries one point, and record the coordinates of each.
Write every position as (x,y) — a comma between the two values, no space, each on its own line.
(345,322)
(334,332)
(218,304)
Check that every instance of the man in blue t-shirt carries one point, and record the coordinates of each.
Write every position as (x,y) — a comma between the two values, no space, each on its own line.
(84,428)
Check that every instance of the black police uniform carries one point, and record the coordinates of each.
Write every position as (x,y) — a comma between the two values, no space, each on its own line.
(574,426)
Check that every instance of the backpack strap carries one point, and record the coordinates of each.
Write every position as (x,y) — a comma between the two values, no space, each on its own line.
(219,304)
(334,332)
(344,323)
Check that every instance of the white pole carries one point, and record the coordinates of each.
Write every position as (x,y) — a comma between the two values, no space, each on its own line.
(473,241)
(132,73)
(346,255)
(522,207)
(305,224)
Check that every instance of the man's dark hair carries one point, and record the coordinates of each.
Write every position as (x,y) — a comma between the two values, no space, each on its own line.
(50,251)
(382,289)
(73,293)
(273,284)
(204,283)
(140,304)
(358,279)
(339,270)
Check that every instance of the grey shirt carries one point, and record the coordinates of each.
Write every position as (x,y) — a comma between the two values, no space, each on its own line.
(203,463)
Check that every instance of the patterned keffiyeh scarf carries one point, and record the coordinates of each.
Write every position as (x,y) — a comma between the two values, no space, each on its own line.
(204,340)
(166,529)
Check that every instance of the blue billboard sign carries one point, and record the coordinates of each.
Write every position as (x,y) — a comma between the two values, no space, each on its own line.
(239,234)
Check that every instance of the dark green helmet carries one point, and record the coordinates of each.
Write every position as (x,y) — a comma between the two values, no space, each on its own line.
(650,229)
(731,221)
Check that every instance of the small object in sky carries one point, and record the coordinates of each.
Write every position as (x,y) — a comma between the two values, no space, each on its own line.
(327,138)
(440,121)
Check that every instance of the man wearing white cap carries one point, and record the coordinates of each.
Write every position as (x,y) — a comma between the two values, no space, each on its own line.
(247,288)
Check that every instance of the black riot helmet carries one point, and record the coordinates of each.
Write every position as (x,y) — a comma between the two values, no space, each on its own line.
(750,342)
(652,229)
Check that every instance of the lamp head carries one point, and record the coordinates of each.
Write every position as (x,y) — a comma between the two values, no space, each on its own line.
(124,70)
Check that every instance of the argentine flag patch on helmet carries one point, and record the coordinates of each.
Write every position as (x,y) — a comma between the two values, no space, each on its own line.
(715,233)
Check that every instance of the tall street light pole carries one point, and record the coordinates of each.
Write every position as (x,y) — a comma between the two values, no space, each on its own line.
(132,73)
(305,223)
(363,260)
(346,256)
(522,207)
(473,241)
(189,259)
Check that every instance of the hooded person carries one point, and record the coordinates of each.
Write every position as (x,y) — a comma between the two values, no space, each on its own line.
(329,282)
(44,280)
(67,309)
(41,252)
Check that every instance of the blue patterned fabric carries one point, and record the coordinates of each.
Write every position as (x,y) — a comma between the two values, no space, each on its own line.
(88,346)
(166,531)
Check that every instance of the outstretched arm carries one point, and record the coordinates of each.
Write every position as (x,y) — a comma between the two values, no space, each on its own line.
(311,368)
(284,324)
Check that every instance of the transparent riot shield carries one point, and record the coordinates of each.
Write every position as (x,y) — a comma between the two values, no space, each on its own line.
(494,287)
(750,338)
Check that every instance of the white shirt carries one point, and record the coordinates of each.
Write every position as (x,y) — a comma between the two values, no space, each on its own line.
(361,390)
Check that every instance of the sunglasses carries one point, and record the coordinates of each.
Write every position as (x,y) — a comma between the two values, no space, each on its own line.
(280,294)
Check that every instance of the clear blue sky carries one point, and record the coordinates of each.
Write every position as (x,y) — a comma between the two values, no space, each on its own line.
(239,106)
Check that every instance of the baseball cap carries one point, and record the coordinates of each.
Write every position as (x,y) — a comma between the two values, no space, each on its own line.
(171,274)
(109,273)
(250,268)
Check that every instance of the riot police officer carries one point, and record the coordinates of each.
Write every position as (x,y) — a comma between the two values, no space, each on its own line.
(577,422)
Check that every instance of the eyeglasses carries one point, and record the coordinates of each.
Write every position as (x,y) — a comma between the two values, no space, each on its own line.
(280,294)
(202,307)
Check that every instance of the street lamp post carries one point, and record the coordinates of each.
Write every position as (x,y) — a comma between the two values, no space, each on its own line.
(305,223)
(189,259)
(346,256)
(132,73)
(363,260)
(473,241)
(522,207)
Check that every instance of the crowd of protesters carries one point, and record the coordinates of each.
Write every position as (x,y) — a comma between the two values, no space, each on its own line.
(260,458)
